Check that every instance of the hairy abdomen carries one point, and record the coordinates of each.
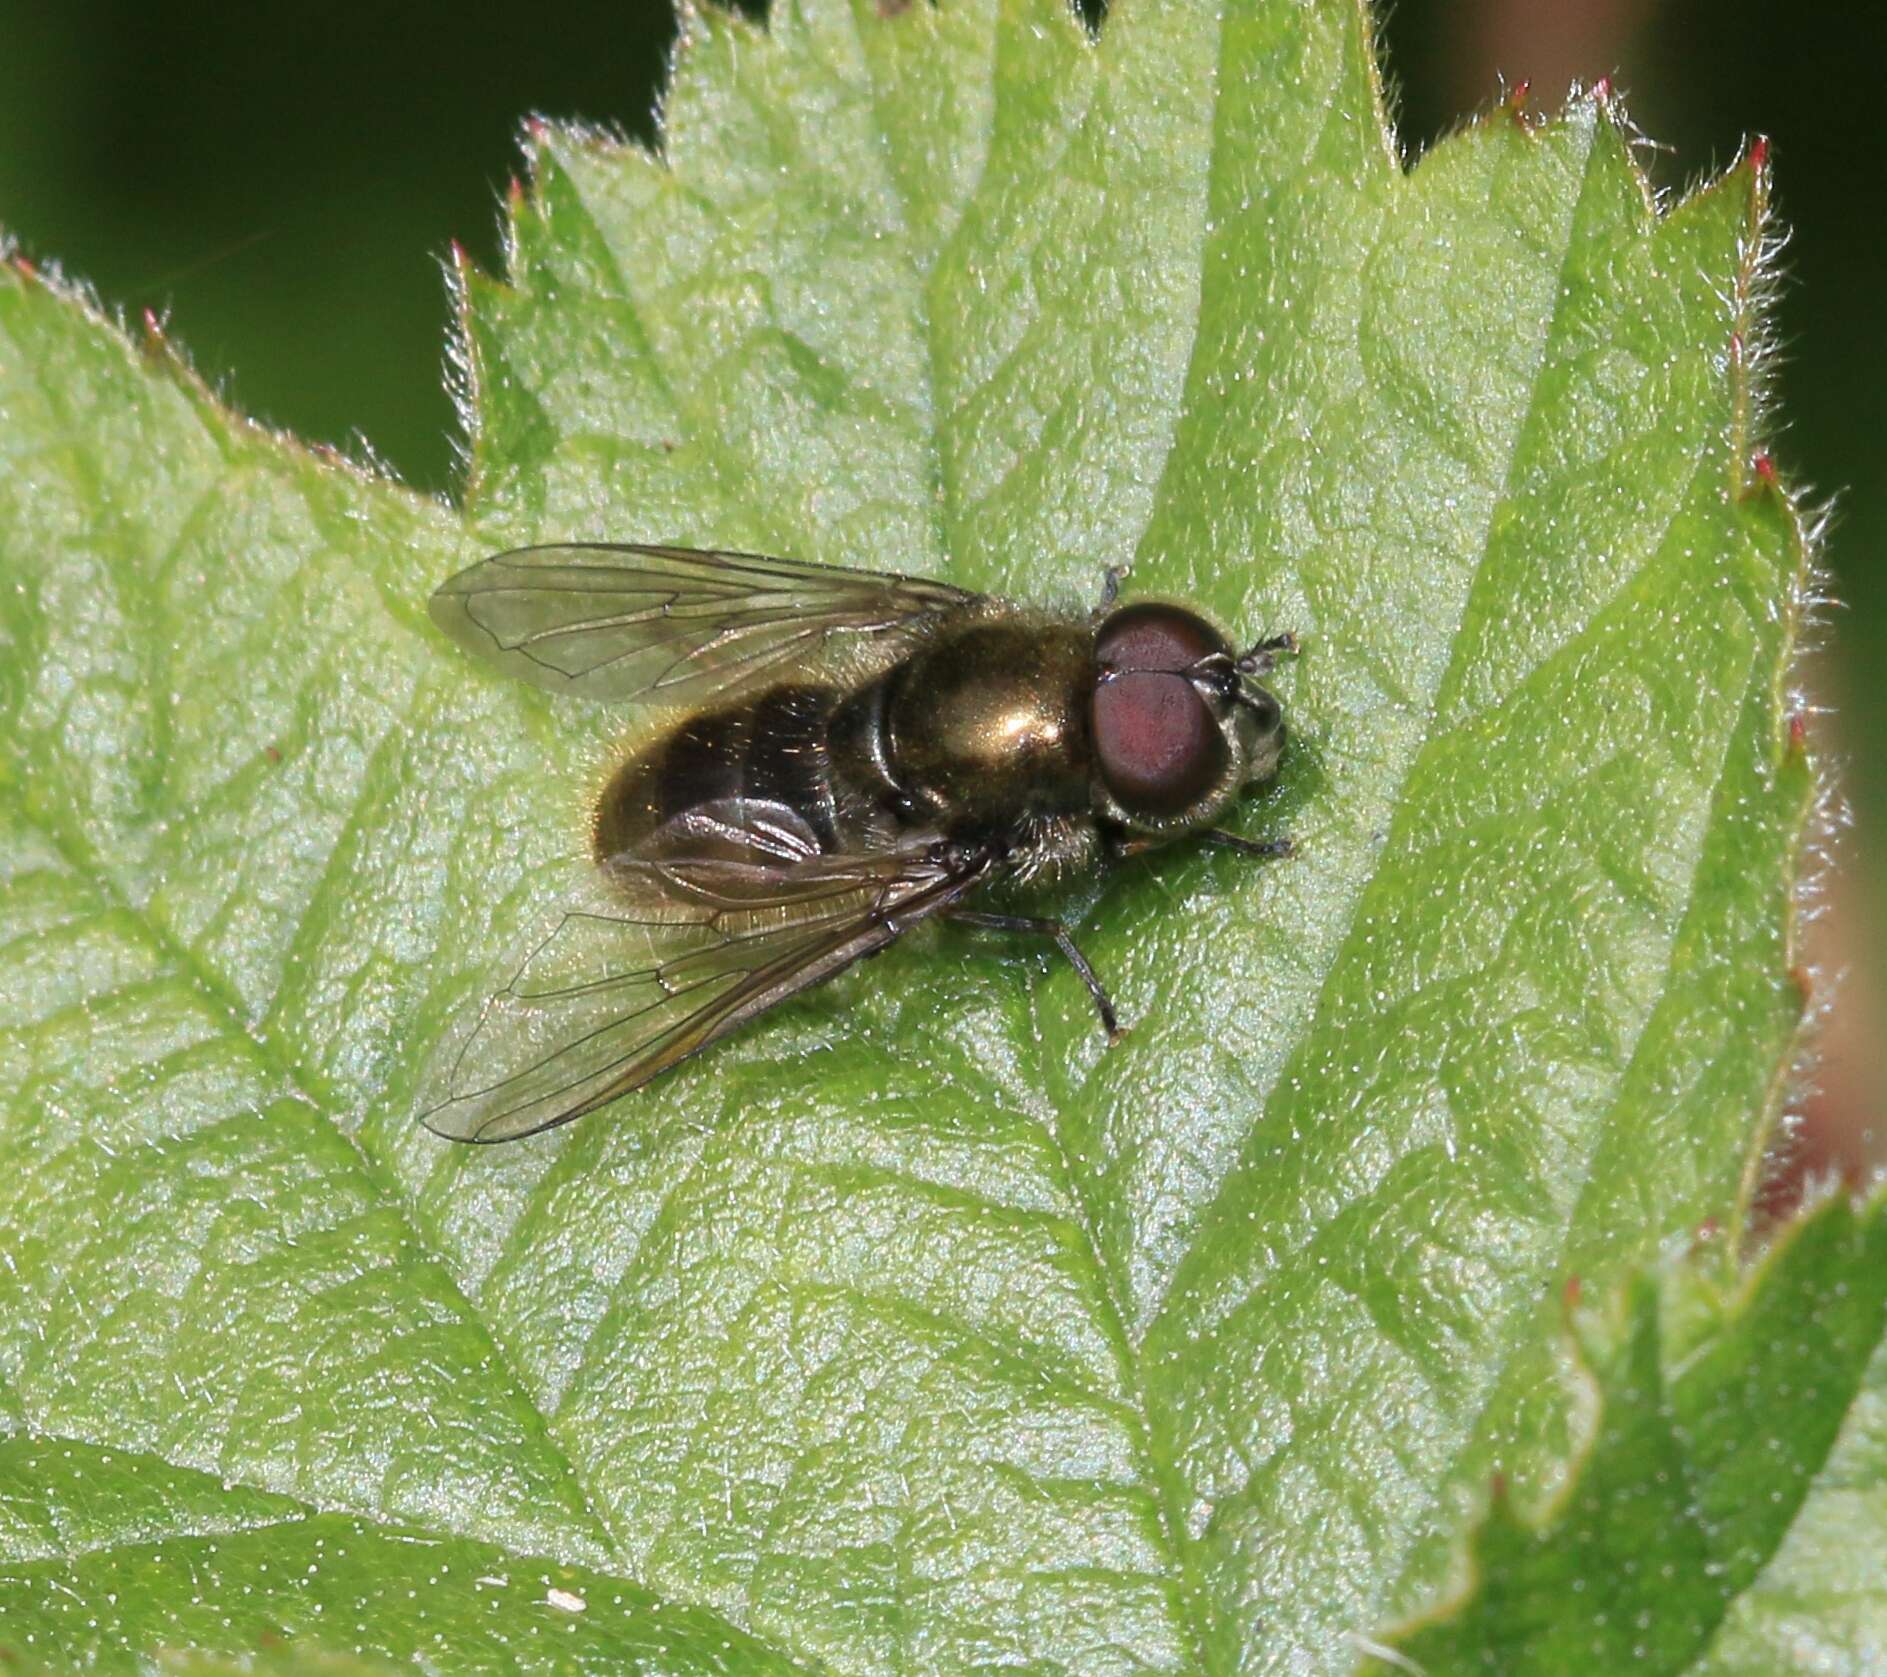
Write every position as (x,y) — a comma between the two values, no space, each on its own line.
(772,749)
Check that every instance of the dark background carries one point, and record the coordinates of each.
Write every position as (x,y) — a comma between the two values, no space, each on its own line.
(281,182)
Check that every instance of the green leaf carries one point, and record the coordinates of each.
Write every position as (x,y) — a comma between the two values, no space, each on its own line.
(911,1330)
(273,1659)
(1819,1605)
(110,1555)
(1716,1408)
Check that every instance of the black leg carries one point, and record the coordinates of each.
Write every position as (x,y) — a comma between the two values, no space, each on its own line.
(1103,1004)
(1248,847)
(1125,848)
(1110,588)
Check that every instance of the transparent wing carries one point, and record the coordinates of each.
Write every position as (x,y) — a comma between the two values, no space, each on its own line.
(670,623)
(656,958)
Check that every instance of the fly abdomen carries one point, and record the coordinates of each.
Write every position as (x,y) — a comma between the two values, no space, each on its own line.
(860,741)
(787,758)
(771,750)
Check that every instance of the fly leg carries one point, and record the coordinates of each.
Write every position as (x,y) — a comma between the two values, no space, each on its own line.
(1103,1003)
(1221,840)
(1110,588)
(1217,837)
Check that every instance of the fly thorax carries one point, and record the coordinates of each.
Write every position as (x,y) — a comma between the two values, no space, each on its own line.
(988,723)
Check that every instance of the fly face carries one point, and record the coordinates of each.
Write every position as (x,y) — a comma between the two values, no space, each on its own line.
(864,752)
(1180,724)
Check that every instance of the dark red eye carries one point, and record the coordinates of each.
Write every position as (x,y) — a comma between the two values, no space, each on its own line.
(1154,636)
(1158,746)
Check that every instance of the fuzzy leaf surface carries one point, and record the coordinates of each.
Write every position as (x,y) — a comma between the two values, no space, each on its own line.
(911,1331)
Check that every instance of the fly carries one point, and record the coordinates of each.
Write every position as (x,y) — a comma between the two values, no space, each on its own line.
(859,751)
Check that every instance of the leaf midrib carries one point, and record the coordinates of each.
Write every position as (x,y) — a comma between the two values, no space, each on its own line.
(1171,1492)
(1193,1622)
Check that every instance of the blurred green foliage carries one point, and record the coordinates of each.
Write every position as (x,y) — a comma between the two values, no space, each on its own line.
(283,181)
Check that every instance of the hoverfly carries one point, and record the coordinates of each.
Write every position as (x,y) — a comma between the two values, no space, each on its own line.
(857,752)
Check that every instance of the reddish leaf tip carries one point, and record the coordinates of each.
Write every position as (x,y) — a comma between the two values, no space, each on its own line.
(155,344)
(1602,90)
(1798,732)
(1759,153)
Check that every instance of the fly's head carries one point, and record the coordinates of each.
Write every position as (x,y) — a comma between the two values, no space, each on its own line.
(1179,721)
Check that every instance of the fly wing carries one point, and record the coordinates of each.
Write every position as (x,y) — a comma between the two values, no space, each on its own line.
(657,958)
(663,624)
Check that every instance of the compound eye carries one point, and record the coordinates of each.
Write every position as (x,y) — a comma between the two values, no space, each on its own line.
(1156,636)
(1159,748)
